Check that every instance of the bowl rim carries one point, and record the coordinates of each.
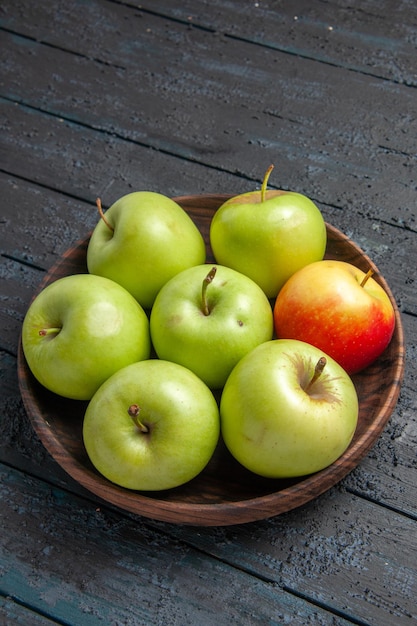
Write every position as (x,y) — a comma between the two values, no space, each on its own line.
(229,511)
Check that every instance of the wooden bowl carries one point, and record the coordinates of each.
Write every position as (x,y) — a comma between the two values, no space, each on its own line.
(224,493)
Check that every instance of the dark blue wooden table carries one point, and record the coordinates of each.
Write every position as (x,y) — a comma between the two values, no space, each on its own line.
(103,97)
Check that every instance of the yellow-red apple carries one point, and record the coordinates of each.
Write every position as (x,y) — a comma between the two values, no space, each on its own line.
(338,308)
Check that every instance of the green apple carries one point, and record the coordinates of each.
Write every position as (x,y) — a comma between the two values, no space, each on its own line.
(207,319)
(81,329)
(268,235)
(153,425)
(142,241)
(288,410)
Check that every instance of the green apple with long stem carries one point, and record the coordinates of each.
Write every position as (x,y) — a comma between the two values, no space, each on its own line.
(288,410)
(207,318)
(268,235)
(153,425)
(142,241)
(81,329)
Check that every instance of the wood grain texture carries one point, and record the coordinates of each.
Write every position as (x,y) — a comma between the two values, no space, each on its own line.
(365,37)
(278,104)
(199,97)
(87,565)
(224,493)
(352,567)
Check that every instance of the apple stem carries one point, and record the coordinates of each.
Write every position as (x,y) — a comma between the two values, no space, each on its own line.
(103,217)
(206,282)
(49,331)
(368,274)
(134,411)
(265,182)
(318,370)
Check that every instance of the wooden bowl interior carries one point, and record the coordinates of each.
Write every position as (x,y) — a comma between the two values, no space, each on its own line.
(224,493)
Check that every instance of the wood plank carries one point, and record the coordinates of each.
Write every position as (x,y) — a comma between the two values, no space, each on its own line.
(344,158)
(82,564)
(40,224)
(354,554)
(364,37)
(13,613)
(18,283)
(319,550)
(84,163)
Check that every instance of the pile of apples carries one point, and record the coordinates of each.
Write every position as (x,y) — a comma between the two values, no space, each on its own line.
(171,353)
